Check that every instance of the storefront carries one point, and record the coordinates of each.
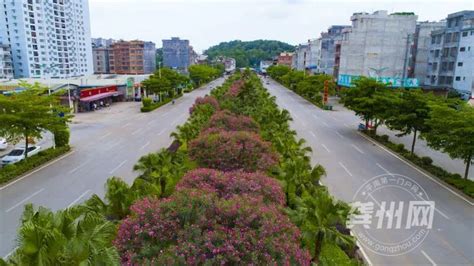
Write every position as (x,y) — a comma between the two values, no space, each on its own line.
(96,98)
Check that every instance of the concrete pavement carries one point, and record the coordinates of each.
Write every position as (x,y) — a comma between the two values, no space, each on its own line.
(105,143)
(351,160)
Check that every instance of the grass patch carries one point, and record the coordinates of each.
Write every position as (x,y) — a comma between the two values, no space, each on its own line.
(12,171)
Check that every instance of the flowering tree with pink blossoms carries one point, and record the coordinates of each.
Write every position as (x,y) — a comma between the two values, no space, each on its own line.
(205,100)
(228,121)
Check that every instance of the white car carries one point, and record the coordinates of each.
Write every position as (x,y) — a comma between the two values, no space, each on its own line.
(3,144)
(18,154)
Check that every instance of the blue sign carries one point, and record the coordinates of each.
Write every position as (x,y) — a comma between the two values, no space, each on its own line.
(348,81)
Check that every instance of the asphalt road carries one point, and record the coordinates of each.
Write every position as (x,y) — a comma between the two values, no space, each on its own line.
(106,143)
(350,160)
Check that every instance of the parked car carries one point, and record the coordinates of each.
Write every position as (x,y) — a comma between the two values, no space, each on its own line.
(3,144)
(18,154)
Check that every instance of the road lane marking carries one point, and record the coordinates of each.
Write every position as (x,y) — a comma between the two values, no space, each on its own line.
(428,257)
(312,133)
(10,253)
(346,125)
(316,117)
(79,166)
(345,168)
(161,132)
(339,134)
(125,125)
(118,166)
(335,119)
(151,122)
(36,170)
(177,120)
(390,174)
(136,131)
(144,146)
(79,198)
(24,200)
(326,124)
(418,170)
(357,148)
(105,135)
(326,148)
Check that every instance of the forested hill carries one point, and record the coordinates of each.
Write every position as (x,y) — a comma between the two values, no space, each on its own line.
(249,54)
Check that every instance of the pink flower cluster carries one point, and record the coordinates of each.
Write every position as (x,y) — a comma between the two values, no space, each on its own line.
(234,89)
(205,100)
(232,150)
(228,121)
(228,184)
(194,228)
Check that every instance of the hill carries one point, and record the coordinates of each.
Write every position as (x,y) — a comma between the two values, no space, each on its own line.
(249,54)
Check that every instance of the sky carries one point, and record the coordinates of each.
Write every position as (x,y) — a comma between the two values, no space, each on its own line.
(208,22)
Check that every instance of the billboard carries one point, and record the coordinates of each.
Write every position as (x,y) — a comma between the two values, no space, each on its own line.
(348,80)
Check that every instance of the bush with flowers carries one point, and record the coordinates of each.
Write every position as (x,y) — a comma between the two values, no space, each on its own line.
(195,227)
(210,100)
(228,121)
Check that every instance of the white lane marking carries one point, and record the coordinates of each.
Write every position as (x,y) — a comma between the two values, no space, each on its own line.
(339,134)
(428,258)
(301,121)
(114,145)
(24,200)
(10,253)
(436,209)
(125,125)
(79,198)
(346,125)
(38,169)
(315,117)
(345,168)
(118,166)
(420,171)
(326,124)
(151,122)
(105,135)
(144,146)
(361,248)
(357,148)
(177,119)
(326,148)
(312,133)
(136,131)
(79,166)
(161,132)
(335,119)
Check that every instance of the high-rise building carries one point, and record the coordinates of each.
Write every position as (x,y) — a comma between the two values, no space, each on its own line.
(6,65)
(450,62)
(132,57)
(326,60)
(420,49)
(177,53)
(377,44)
(300,57)
(100,58)
(102,42)
(48,38)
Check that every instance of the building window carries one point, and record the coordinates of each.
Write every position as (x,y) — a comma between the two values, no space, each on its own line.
(462,49)
(449,80)
(436,55)
(459,64)
(451,66)
(464,34)
(458,78)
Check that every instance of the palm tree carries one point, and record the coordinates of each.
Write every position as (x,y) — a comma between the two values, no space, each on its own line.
(317,215)
(74,236)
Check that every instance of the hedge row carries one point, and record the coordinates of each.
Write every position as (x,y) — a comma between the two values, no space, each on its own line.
(148,106)
(456,180)
(12,171)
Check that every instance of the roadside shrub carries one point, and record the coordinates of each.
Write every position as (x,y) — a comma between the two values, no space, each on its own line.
(229,151)
(229,184)
(399,147)
(426,160)
(146,102)
(12,171)
(331,254)
(205,100)
(61,137)
(228,121)
(196,228)
(384,138)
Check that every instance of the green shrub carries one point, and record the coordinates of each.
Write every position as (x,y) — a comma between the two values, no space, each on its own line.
(426,160)
(399,147)
(146,102)
(10,172)
(384,138)
(61,137)
(331,254)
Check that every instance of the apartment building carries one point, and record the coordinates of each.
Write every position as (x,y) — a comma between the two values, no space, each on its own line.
(100,58)
(450,62)
(177,53)
(132,57)
(47,38)
(301,55)
(327,55)
(285,59)
(377,45)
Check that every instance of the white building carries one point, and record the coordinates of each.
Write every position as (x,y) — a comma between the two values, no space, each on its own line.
(377,44)
(464,69)
(48,38)
(313,55)
(6,66)
(300,57)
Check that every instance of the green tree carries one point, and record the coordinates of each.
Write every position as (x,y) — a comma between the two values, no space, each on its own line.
(452,131)
(27,114)
(201,74)
(73,236)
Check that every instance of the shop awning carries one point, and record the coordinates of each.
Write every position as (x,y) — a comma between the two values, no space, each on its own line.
(101,96)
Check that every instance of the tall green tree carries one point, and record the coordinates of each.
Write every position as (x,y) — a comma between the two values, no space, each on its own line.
(452,131)
(201,74)
(28,114)
(411,113)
